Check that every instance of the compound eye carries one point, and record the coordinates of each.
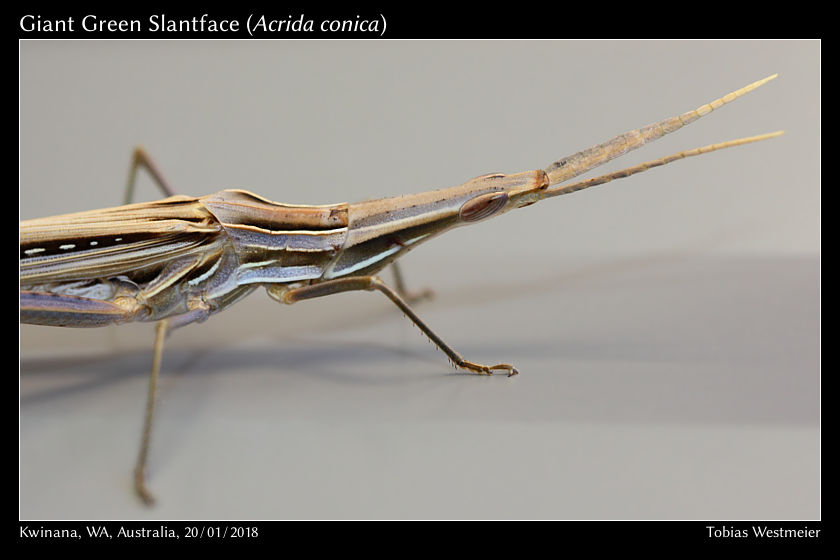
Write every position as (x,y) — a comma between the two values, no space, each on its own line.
(482,206)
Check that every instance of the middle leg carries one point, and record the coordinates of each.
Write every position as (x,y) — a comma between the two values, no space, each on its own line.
(405,293)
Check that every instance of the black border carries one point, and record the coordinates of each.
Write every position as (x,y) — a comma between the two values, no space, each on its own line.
(594,532)
(567,20)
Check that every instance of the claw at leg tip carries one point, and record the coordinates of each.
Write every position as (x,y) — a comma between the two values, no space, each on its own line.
(145,497)
(141,490)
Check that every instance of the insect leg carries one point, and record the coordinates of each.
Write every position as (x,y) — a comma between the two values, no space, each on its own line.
(370,283)
(58,310)
(407,295)
(140,158)
(198,313)
(140,468)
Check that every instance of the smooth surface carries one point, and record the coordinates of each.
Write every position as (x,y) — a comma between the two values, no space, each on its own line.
(666,326)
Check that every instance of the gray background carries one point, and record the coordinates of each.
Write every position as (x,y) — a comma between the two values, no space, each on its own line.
(666,326)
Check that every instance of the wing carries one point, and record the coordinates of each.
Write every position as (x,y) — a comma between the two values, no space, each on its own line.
(113,241)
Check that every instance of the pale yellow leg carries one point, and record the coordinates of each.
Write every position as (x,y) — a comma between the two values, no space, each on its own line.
(142,457)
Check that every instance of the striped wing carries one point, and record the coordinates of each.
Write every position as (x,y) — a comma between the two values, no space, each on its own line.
(113,241)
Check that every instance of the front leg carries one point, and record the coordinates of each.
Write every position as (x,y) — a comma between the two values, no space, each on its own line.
(371,283)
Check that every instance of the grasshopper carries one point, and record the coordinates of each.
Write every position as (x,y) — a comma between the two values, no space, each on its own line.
(180,259)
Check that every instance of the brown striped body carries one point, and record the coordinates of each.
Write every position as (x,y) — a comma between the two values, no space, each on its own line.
(165,258)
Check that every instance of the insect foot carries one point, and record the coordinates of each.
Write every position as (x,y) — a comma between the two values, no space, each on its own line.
(140,486)
(487,370)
